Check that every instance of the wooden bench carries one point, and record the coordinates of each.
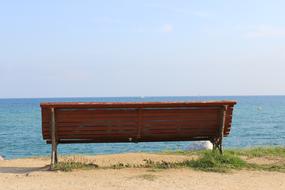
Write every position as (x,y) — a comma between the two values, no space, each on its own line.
(104,122)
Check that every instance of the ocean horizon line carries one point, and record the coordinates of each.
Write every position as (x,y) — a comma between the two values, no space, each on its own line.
(83,97)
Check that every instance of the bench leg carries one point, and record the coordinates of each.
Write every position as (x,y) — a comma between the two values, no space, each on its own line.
(218,141)
(220,146)
(53,141)
(54,158)
(217,144)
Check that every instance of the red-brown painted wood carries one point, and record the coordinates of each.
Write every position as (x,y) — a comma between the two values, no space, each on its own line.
(135,121)
(135,104)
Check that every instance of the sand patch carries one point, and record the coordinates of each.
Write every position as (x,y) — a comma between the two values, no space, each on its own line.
(127,158)
(33,174)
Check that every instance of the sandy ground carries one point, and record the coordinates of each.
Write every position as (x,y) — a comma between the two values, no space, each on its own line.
(32,173)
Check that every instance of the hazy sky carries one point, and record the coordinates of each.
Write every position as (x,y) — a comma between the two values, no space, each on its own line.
(141,48)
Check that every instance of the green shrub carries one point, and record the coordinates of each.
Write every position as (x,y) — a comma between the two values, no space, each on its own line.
(213,161)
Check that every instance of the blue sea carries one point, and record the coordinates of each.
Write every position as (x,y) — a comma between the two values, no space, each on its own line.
(257,121)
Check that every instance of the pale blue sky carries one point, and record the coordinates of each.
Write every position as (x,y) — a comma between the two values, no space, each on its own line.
(141,48)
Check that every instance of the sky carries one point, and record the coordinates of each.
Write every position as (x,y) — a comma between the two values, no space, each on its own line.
(69,48)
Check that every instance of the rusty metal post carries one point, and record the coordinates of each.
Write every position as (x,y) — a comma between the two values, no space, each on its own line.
(222,127)
(53,140)
(56,159)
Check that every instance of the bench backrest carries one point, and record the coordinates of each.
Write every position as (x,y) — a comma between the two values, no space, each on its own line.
(136,121)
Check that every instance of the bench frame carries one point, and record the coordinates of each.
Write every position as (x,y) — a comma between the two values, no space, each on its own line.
(216,141)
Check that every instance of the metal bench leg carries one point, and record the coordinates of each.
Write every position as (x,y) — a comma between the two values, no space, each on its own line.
(53,157)
(217,144)
(56,159)
(213,141)
(53,141)
(218,141)
(220,146)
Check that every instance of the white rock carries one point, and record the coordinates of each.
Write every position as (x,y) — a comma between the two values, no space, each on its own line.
(200,145)
(1,157)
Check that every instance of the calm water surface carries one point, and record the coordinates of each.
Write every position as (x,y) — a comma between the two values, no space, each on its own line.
(258,120)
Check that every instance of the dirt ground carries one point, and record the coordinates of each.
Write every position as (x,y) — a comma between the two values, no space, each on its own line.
(33,174)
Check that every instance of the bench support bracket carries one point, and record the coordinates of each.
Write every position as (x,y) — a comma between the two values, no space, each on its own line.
(217,144)
(54,159)
(218,141)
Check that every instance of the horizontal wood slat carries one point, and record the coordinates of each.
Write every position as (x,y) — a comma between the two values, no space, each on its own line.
(127,136)
(135,104)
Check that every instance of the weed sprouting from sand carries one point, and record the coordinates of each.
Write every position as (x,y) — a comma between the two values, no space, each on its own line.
(213,161)
(276,151)
(120,165)
(259,152)
(209,161)
(268,167)
(69,166)
(234,159)
(158,165)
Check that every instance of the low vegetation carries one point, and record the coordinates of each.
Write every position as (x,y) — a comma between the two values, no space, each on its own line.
(69,166)
(232,159)
(249,152)
(259,152)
